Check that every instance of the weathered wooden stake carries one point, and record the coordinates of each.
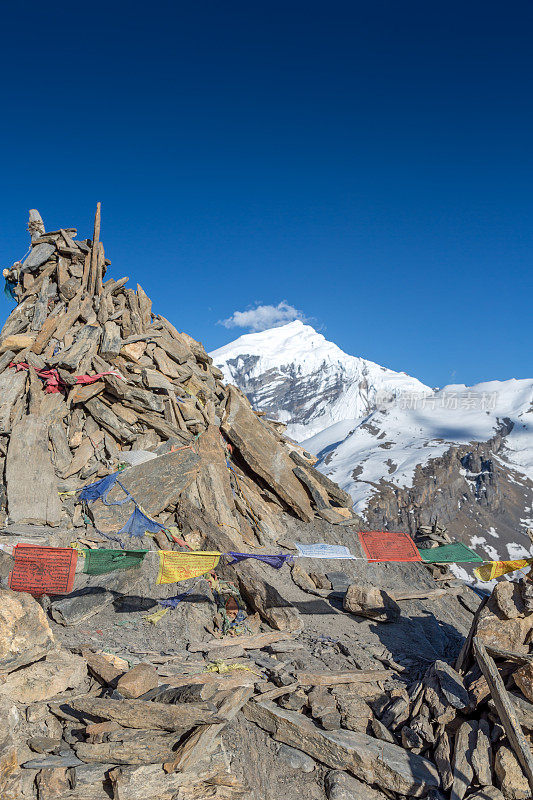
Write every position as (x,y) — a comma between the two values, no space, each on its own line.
(505,709)
(94,251)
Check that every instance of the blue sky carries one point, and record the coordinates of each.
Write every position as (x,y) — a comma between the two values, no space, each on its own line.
(370,164)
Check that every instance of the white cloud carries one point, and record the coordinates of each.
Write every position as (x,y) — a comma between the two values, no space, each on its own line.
(262,317)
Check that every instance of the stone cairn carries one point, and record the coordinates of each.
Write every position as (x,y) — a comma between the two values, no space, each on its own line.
(305,700)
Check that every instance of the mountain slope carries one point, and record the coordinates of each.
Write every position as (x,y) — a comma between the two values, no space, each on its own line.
(406,453)
(463,455)
(297,377)
(393,440)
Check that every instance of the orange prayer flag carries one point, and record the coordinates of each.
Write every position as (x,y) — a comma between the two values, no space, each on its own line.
(43,570)
(388,546)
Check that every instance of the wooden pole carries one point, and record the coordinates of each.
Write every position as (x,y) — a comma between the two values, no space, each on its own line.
(94,251)
(505,709)
(99,268)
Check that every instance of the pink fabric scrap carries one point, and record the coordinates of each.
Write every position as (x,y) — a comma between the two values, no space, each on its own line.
(53,382)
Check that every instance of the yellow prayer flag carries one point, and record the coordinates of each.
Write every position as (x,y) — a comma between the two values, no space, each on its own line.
(174,567)
(495,569)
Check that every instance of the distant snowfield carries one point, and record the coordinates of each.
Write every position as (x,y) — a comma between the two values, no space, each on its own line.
(391,441)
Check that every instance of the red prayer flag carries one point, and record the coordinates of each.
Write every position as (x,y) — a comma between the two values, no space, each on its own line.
(43,570)
(388,546)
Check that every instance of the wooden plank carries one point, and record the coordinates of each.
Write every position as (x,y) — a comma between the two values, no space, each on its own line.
(86,271)
(463,659)
(28,464)
(68,240)
(204,740)
(100,263)
(505,709)
(279,691)
(48,329)
(35,288)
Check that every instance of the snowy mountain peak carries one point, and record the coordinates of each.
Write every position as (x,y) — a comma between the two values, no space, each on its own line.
(300,378)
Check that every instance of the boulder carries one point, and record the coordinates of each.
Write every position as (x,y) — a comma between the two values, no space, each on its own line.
(507,599)
(59,671)
(138,680)
(371,602)
(513,782)
(302,578)
(155,484)
(504,634)
(25,635)
(10,773)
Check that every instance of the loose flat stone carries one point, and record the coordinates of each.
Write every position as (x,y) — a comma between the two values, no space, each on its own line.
(11,388)
(38,256)
(155,485)
(28,464)
(374,761)
(262,452)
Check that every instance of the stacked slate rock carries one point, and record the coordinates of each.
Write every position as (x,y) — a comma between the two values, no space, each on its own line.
(163,394)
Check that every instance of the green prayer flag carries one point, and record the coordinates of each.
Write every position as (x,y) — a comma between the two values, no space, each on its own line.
(98,562)
(455,553)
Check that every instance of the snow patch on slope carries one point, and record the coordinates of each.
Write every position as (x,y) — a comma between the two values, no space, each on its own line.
(391,441)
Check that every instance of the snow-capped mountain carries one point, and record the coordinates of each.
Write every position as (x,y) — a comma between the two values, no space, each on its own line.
(391,442)
(406,453)
(297,377)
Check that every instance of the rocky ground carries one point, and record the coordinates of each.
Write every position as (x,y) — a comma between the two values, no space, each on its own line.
(323,680)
